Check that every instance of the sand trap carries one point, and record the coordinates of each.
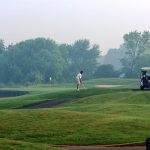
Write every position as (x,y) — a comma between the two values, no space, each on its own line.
(108,86)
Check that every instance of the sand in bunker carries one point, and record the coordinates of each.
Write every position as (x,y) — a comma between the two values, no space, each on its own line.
(107,86)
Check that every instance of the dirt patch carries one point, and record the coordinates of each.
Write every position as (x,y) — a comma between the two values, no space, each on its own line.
(44,104)
(7,93)
(107,86)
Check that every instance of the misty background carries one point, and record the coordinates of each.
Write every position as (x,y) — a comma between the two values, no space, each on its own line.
(58,38)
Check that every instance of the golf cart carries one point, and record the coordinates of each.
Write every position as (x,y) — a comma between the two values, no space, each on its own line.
(145,78)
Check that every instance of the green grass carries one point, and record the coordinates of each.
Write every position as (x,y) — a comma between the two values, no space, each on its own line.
(60,93)
(126,83)
(91,116)
(41,93)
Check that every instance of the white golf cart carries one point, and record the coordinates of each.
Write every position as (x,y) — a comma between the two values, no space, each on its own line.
(145,78)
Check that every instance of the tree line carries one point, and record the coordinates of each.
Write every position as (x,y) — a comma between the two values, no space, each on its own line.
(34,61)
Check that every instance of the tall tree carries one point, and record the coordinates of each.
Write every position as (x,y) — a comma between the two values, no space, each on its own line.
(33,61)
(136,44)
(3,61)
(83,56)
(113,57)
(2,47)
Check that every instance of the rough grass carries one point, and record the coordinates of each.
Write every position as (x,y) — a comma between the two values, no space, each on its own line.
(108,118)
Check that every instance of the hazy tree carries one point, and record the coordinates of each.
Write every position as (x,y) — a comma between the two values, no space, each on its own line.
(3,68)
(106,71)
(113,57)
(35,60)
(136,44)
(2,47)
(83,56)
(65,50)
(143,61)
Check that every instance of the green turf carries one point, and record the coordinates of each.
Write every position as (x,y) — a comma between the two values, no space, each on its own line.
(91,116)
(45,92)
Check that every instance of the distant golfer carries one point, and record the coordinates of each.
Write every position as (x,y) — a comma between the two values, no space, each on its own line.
(79,80)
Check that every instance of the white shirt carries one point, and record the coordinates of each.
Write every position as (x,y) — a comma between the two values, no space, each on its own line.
(79,76)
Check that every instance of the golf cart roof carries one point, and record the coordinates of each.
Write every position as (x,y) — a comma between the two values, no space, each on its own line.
(145,68)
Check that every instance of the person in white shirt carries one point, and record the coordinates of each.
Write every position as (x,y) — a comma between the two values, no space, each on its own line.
(79,79)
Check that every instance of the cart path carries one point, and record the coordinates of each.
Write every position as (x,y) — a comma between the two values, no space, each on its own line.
(104,148)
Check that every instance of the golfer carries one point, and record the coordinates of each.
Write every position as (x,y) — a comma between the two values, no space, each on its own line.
(79,80)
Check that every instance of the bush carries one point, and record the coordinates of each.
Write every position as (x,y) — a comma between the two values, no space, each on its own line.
(106,71)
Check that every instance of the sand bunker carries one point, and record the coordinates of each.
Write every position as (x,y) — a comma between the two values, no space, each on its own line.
(108,86)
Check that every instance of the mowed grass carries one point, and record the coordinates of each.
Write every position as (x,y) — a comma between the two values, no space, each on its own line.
(91,116)
(68,91)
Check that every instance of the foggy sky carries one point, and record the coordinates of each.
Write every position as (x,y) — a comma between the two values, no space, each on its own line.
(103,22)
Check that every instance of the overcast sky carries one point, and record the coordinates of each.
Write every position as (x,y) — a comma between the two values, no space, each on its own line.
(103,22)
